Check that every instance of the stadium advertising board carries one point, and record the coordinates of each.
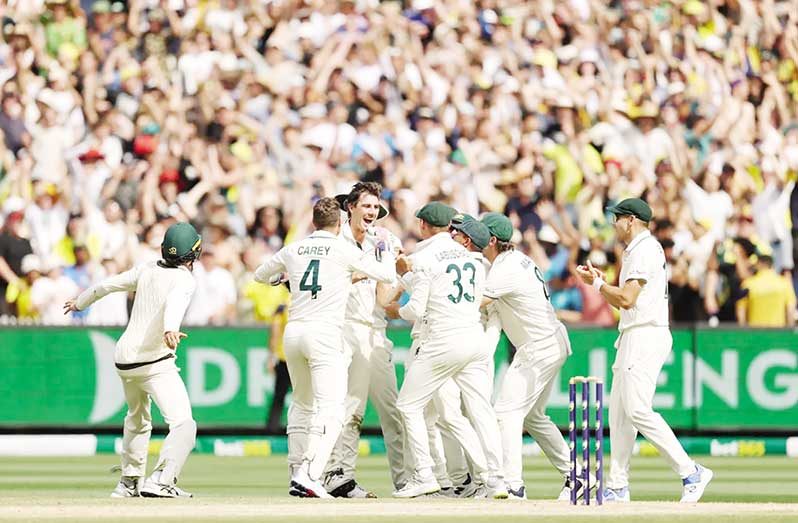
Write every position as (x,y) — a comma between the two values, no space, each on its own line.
(715,379)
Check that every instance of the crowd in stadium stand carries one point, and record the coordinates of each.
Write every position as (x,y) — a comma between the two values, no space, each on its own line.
(120,117)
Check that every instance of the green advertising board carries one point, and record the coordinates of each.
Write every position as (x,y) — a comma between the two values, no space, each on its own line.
(719,379)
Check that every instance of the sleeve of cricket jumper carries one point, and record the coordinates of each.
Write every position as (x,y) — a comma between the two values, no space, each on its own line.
(493,329)
(382,271)
(272,266)
(417,306)
(177,303)
(123,282)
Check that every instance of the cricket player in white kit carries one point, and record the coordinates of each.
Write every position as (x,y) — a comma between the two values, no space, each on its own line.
(370,370)
(643,347)
(516,287)
(320,270)
(447,291)
(145,361)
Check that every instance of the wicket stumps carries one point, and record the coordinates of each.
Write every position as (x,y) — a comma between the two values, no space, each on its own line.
(599,434)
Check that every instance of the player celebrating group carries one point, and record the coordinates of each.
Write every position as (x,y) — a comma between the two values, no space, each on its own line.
(320,272)
(516,286)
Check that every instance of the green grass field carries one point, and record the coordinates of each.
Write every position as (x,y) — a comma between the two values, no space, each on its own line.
(255,489)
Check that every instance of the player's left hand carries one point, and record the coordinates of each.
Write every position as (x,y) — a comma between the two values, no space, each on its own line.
(70,306)
(358,277)
(392,311)
(596,272)
(585,274)
(172,338)
(403,265)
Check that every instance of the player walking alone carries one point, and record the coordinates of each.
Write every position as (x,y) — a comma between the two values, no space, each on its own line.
(145,361)
(320,270)
(643,346)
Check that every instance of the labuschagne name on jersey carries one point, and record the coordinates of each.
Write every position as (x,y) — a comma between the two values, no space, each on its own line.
(451,254)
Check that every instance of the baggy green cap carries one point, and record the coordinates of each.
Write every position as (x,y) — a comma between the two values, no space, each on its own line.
(499,226)
(632,207)
(181,243)
(436,214)
(474,229)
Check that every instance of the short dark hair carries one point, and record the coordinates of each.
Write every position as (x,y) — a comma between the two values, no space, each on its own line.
(326,213)
(359,189)
(504,246)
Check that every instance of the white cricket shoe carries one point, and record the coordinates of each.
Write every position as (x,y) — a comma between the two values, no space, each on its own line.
(339,486)
(154,489)
(516,494)
(417,486)
(565,493)
(496,489)
(617,495)
(467,489)
(695,484)
(305,487)
(128,487)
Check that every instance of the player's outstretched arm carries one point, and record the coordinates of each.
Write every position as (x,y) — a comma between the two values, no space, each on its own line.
(123,282)
(271,267)
(380,270)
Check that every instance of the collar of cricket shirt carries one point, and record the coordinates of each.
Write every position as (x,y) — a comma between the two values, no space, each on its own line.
(318,234)
(423,244)
(636,240)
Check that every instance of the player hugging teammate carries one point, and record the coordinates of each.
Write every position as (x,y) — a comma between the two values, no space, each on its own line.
(466,283)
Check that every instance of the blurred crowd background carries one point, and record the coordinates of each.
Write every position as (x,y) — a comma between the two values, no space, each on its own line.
(118,117)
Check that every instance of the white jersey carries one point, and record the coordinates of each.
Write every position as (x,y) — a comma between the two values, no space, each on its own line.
(447,286)
(419,330)
(162,297)
(362,305)
(644,260)
(320,271)
(522,300)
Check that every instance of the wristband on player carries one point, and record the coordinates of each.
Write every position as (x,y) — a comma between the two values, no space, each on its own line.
(597,283)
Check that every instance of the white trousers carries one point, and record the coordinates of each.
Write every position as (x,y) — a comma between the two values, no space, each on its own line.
(371,375)
(160,382)
(521,404)
(461,358)
(315,358)
(642,352)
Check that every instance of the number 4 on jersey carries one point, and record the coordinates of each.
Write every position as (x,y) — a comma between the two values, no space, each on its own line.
(312,274)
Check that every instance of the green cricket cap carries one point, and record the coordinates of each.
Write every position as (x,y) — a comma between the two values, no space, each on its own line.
(436,214)
(460,218)
(474,229)
(499,226)
(181,242)
(632,207)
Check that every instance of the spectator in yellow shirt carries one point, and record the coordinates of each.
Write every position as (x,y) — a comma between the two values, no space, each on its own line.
(769,299)
(282,381)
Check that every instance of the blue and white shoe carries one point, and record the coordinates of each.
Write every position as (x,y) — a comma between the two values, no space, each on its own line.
(617,495)
(695,484)
(565,493)
(519,493)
